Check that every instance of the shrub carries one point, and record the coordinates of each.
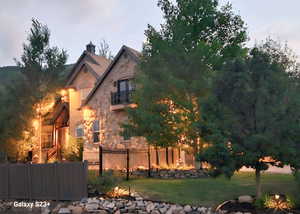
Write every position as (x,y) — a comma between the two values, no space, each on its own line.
(297,178)
(260,202)
(277,202)
(105,183)
(72,151)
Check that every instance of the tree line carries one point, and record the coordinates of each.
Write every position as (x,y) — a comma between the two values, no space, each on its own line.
(201,86)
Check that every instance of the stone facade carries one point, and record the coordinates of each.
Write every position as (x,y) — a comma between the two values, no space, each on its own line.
(111,116)
(83,84)
(89,96)
(110,120)
(81,81)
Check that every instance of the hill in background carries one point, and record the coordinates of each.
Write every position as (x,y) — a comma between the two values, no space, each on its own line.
(9,74)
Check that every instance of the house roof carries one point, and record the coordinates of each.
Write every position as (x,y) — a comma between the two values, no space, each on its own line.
(135,55)
(96,66)
(61,106)
(58,108)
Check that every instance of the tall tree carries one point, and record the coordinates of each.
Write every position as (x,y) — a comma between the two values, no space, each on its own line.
(252,113)
(42,70)
(104,50)
(177,63)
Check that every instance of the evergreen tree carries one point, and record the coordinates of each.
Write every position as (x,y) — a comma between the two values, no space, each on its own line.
(42,70)
(252,113)
(177,64)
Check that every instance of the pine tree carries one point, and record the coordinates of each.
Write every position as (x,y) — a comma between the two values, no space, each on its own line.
(42,70)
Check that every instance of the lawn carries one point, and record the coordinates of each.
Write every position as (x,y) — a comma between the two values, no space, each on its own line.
(210,191)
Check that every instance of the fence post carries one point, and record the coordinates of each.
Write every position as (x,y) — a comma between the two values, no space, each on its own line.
(127,167)
(172,155)
(28,166)
(149,162)
(57,181)
(167,156)
(157,159)
(8,180)
(100,161)
(85,169)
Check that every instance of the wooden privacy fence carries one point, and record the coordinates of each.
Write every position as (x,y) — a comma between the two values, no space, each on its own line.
(53,181)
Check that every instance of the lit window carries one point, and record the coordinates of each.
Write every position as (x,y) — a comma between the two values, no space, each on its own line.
(79,131)
(96,131)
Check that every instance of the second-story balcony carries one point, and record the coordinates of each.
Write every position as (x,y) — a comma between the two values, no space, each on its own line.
(121,97)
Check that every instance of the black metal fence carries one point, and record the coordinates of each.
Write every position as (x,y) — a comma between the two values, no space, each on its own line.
(55,181)
(131,160)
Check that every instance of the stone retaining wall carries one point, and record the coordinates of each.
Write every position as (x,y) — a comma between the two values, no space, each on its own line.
(173,173)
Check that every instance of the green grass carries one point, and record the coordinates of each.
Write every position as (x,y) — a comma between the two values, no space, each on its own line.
(210,191)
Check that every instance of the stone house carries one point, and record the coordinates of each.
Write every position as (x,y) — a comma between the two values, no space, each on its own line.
(64,122)
(93,107)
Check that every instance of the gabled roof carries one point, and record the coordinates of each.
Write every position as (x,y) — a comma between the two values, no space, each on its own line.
(135,55)
(96,67)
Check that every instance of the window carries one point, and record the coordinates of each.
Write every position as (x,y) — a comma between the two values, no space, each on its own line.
(125,85)
(79,131)
(96,131)
(124,92)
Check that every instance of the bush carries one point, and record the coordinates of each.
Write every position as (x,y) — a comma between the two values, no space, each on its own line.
(260,202)
(297,178)
(270,202)
(105,183)
(72,151)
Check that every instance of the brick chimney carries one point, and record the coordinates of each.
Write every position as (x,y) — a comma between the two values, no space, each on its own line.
(90,48)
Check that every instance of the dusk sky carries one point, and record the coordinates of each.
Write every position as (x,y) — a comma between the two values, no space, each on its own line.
(74,23)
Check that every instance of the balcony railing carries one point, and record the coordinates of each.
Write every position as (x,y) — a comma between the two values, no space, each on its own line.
(122,97)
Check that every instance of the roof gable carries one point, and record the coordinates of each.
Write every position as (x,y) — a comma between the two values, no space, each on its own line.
(96,66)
(135,55)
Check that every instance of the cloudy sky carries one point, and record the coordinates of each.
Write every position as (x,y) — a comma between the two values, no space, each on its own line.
(73,23)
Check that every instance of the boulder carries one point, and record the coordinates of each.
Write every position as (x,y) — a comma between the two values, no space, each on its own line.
(45,210)
(140,203)
(155,212)
(91,207)
(187,208)
(76,209)
(163,209)
(118,212)
(64,211)
(150,207)
(110,205)
(245,199)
